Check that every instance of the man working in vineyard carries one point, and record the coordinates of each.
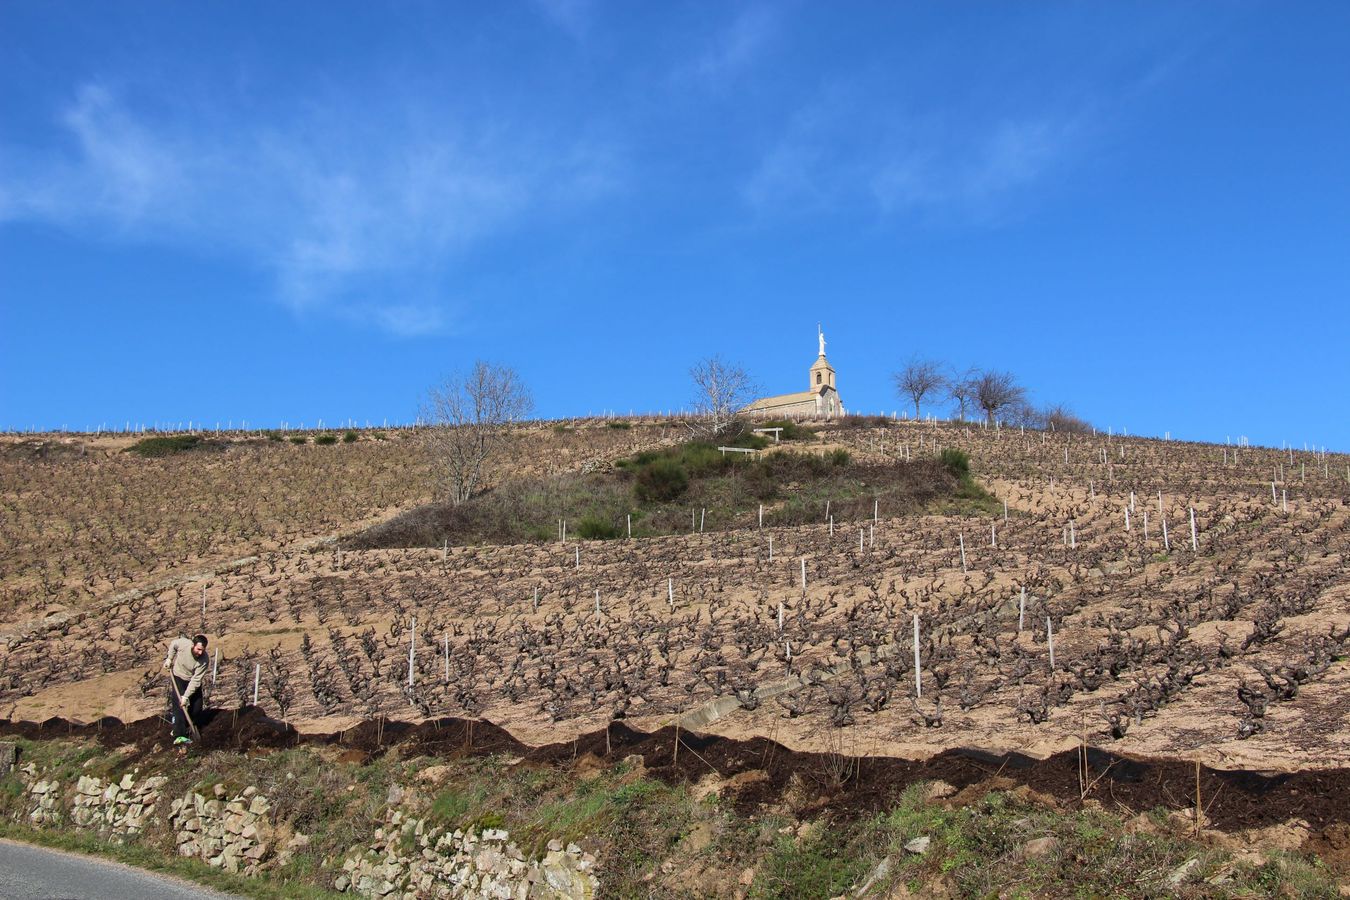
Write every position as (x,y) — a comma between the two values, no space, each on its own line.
(186,664)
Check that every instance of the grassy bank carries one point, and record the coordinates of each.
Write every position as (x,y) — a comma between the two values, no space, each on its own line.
(655,838)
(690,487)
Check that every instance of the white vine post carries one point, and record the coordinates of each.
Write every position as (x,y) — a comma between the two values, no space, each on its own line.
(215,666)
(803,573)
(1073,537)
(770,548)
(630,526)
(578,550)
(876,510)
(203,601)
(1127,518)
(761,517)
(918,675)
(257,674)
(1194,546)
(780,616)
(861,533)
(445,549)
(670,592)
(535,603)
(993,536)
(412,649)
(962,538)
(1145,524)
(1167,542)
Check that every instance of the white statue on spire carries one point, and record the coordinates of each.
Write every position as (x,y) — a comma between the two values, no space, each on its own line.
(821,335)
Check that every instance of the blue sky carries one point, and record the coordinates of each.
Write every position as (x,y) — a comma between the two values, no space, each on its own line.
(287,212)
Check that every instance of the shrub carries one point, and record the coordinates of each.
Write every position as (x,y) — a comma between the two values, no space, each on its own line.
(839,457)
(274,436)
(957,462)
(699,459)
(593,528)
(619,426)
(661,481)
(326,439)
(299,439)
(164,445)
(351,437)
(750,441)
(791,430)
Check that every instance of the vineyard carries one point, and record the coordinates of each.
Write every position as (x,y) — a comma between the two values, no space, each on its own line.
(1153,597)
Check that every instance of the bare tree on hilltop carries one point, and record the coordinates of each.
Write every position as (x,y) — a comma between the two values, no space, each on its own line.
(918,379)
(961,389)
(996,391)
(721,391)
(473,417)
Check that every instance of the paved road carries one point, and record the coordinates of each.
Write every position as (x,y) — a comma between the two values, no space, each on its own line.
(35,873)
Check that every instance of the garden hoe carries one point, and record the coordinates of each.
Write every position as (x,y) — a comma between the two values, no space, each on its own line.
(192,726)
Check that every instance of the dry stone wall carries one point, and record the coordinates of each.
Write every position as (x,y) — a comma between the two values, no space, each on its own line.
(410,859)
(231,833)
(406,858)
(119,809)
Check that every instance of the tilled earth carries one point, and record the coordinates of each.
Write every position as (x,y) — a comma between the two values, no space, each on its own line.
(1230,647)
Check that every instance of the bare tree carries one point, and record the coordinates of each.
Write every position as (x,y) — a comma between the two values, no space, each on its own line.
(473,416)
(918,379)
(721,390)
(961,389)
(995,391)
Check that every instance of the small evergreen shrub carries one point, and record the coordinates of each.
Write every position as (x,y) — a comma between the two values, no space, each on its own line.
(326,439)
(660,481)
(593,528)
(351,437)
(956,461)
(299,439)
(164,445)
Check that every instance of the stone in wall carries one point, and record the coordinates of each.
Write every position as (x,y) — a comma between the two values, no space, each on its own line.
(45,797)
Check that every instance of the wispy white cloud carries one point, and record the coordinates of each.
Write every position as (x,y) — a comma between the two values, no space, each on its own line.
(572,16)
(834,156)
(731,49)
(335,212)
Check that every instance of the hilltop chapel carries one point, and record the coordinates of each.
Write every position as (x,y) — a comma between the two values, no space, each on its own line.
(821,401)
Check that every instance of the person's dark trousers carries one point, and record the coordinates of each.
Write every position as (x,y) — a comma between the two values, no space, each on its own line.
(180,725)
